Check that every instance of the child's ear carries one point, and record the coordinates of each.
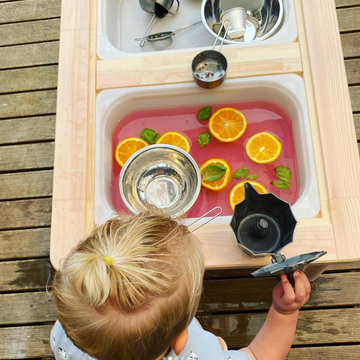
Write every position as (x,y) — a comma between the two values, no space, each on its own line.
(179,343)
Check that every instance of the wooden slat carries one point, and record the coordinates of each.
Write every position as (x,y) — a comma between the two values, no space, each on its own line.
(29,32)
(25,342)
(28,156)
(341,3)
(254,294)
(349,19)
(351,45)
(29,10)
(36,78)
(357,125)
(333,326)
(27,104)
(26,308)
(353,71)
(26,185)
(29,55)
(25,213)
(19,244)
(19,130)
(170,68)
(350,352)
(355,97)
(24,275)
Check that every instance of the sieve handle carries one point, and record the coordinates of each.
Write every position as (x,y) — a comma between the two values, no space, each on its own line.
(217,37)
(151,25)
(202,216)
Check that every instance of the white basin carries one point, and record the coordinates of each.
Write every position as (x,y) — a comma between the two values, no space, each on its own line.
(288,91)
(121,21)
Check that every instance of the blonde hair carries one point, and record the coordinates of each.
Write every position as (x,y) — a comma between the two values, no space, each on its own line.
(131,287)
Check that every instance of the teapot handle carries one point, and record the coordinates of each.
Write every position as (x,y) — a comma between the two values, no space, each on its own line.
(178,5)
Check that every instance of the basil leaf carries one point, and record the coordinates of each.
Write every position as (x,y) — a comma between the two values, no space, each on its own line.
(204,113)
(149,135)
(283,173)
(214,172)
(281,184)
(251,177)
(204,138)
(240,173)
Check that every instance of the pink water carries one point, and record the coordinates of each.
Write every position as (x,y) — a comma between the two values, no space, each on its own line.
(261,115)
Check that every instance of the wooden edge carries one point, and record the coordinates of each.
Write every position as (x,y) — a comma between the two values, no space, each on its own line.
(70,165)
(91,122)
(219,242)
(336,126)
(315,132)
(172,68)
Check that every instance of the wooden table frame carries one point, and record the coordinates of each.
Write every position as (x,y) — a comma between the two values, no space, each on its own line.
(316,56)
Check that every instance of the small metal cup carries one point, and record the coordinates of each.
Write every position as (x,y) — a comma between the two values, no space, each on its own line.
(236,21)
(209,67)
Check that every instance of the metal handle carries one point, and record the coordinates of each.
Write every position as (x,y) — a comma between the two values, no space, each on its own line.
(217,37)
(187,26)
(151,25)
(177,9)
(211,219)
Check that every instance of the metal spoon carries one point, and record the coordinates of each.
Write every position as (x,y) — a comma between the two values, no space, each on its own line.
(162,40)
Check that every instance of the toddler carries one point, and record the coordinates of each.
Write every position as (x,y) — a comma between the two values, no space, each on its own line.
(130,291)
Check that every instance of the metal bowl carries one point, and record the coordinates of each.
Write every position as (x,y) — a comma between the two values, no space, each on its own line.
(161,175)
(264,18)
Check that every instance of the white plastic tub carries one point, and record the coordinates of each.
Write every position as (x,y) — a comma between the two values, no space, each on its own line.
(288,91)
(121,21)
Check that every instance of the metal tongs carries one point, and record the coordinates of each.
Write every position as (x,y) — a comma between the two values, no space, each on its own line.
(207,221)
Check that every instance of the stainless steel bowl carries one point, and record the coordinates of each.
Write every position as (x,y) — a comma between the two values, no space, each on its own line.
(264,18)
(161,175)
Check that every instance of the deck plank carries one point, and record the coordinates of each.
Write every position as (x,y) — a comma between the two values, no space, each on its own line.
(24,244)
(352,67)
(34,78)
(25,342)
(24,275)
(25,213)
(351,45)
(355,98)
(26,185)
(29,55)
(349,19)
(325,353)
(32,129)
(328,290)
(27,104)
(29,32)
(26,308)
(315,327)
(341,3)
(27,156)
(29,10)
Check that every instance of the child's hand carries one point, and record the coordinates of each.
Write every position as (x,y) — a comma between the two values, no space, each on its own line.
(287,300)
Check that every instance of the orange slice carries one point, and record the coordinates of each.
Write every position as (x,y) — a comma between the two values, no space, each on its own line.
(127,147)
(227,124)
(263,148)
(220,184)
(176,139)
(237,193)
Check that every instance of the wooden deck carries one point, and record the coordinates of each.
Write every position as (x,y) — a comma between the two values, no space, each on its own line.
(232,306)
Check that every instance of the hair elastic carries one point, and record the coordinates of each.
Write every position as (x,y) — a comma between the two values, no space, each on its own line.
(109,261)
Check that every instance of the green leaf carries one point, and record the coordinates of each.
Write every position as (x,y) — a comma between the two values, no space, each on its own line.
(149,135)
(251,177)
(204,113)
(214,172)
(283,173)
(240,173)
(204,138)
(281,184)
